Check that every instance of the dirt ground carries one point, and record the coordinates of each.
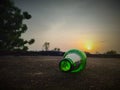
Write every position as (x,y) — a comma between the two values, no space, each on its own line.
(42,73)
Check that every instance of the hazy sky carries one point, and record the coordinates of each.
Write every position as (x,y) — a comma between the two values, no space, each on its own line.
(89,25)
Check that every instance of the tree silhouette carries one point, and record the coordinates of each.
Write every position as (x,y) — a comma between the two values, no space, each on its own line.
(111,52)
(11,27)
(46,46)
(57,49)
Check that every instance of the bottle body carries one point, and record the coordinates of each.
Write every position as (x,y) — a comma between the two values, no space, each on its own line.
(73,61)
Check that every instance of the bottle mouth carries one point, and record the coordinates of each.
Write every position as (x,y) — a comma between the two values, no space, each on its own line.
(65,65)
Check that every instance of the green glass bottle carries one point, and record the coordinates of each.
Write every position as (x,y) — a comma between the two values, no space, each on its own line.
(73,61)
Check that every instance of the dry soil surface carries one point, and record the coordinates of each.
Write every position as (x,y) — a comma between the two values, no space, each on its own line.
(42,73)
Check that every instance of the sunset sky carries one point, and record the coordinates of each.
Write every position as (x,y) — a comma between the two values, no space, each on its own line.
(88,25)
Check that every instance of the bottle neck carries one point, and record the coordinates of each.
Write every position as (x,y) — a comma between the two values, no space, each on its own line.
(65,65)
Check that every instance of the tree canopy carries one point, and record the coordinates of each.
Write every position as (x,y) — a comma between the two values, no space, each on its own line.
(111,52)
(12,26)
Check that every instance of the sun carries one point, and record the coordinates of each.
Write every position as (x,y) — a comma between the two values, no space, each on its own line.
(89,47)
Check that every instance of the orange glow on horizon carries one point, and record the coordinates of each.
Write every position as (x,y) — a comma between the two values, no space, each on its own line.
(87,46)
